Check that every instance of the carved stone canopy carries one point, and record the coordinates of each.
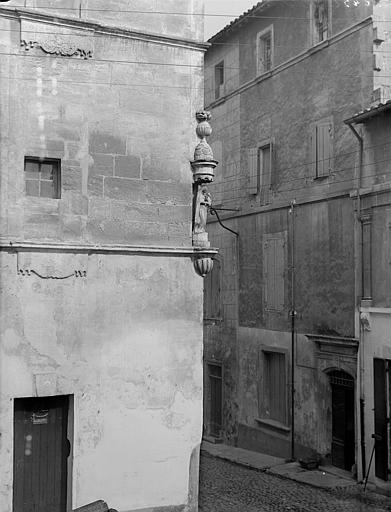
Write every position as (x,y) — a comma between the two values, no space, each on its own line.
(203,164)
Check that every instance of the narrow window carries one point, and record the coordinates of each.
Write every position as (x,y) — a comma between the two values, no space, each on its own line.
(42,177)
(260,169)
(366,224)
(265,167)
(265,50)
(274,272)
(219,80)
(275,384)
(216,399)
(322,148)
(212,309)
(320,20)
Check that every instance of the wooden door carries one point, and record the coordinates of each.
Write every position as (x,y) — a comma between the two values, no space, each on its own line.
(41,450)
(343,429)
(215,383)
(381,420)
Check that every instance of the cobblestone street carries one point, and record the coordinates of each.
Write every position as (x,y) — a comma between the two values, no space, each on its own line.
(226,487)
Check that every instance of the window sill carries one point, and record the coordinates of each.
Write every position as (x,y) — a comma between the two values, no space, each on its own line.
(321,178)
(273,425)
(264,74)
(275,311)
(212,321)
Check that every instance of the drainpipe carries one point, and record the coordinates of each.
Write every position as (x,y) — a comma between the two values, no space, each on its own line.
(360,362)
(293,315)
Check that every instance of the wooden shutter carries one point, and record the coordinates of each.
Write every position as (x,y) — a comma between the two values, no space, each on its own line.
(313,151)
(253,168)
(321,149)
(279,273)
(265,162)
(269,247)
(212,292)
(276,385)
(381,455)
(273,177)
(274,273)
(366,260)
(324,144)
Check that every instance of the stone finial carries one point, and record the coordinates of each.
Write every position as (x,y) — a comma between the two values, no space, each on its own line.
(203,164)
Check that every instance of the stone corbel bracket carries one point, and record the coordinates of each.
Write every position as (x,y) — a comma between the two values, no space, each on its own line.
(203,261)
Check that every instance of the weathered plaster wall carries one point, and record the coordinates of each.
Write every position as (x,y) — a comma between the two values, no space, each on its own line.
(376,343)
(220,342)
(304,94)
(312,396)
(290,23)
(126,338)
(126,342)
(375,204)
(335,80)
(229,53)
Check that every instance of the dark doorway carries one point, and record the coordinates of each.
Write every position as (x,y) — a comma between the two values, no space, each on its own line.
(343,432)
(216,390)
(41,449)
(382,400)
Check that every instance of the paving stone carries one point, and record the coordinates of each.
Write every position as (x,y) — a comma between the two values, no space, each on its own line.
(229,487)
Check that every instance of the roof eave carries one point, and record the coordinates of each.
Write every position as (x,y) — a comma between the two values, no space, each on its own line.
(364,116)
(242,19)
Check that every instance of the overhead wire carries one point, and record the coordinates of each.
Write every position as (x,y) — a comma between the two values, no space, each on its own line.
(160,12)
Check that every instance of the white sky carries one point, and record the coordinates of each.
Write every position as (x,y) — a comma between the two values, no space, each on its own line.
(231,9)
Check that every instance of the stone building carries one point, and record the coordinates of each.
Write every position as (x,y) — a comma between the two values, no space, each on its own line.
(101,309)
(281,315)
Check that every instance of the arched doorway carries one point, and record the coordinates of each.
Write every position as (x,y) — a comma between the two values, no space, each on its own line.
(343,431)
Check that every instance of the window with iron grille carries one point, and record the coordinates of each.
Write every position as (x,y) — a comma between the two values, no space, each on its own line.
(42,177)
(265,50)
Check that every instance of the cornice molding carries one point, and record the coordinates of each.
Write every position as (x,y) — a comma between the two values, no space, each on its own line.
(18,246)
(99,28)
